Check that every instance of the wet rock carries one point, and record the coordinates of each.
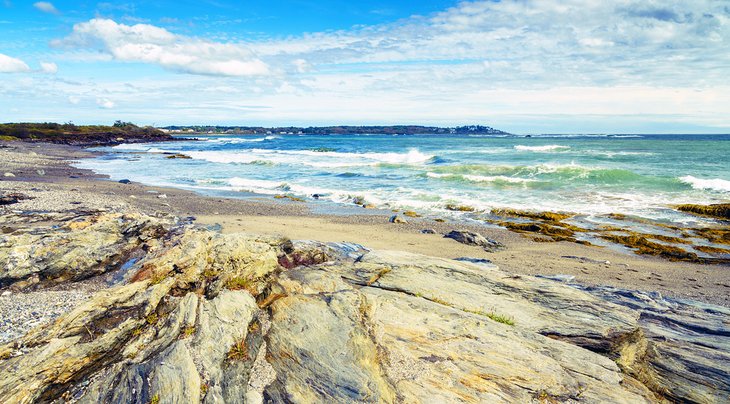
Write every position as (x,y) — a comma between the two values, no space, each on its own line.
(82,248)
(125,181)
(476,239)
(397,220)
(718,211)
(11,198)
(178,156)
(459,208)
(558,278)
(428,231)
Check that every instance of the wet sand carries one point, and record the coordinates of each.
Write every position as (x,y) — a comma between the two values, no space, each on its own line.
(42,171)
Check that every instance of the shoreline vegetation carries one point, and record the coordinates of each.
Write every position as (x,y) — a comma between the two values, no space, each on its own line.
(82,135)
(120,292)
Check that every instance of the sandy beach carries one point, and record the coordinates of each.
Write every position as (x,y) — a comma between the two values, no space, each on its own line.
(43,172)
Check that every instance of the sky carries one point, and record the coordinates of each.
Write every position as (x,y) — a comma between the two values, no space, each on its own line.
(543,66)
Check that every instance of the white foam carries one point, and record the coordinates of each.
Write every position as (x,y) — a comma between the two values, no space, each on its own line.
(482,178)
(497,178)
(257,186)
(133,146)
(714,184)
(612,154)
(545,148)
(311,158)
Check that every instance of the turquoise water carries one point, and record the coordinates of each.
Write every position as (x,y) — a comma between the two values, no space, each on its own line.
(639,175)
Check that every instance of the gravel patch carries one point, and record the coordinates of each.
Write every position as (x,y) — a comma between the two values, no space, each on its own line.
(21,312)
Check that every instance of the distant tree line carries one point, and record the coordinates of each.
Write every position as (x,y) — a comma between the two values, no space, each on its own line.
(343,130)
(70,133)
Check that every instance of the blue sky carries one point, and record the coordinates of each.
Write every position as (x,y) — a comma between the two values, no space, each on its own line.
(523,66)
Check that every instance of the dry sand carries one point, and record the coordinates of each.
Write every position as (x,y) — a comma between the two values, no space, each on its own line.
(60,186)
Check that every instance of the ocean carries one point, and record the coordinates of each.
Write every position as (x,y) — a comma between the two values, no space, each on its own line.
(591,175)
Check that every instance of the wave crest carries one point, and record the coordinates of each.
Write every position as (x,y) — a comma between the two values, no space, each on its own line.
(313,158)
(546,148)
(714,184)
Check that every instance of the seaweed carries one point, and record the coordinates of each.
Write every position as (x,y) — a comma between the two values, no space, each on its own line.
(717,211)
(715,235)
(643,246)
(546,216)
(711,250)
(459,208)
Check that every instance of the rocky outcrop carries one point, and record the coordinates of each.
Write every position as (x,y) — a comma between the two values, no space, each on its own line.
(205,317)
(75,250)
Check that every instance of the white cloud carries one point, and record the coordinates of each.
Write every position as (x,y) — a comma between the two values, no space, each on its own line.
(545,42)
(49,67)
(517,64)
(302,66)
(150,44)
(105,103)
(46,7)
(74,99)
(12,65)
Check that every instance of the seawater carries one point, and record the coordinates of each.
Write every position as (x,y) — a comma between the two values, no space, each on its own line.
(642,175)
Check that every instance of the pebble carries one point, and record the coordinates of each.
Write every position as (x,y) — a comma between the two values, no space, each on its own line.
(9,175)
(162,196)
(21,312)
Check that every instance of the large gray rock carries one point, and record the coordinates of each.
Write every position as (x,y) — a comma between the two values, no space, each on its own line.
(213,318)
(76,250)
(475,239)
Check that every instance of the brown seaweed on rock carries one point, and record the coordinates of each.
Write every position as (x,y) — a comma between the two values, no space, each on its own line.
(717,211)
(547,216)
(643,246)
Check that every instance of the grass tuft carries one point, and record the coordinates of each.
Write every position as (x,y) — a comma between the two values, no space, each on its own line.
(500,318)
(238,352)
(239,283)
(152,319)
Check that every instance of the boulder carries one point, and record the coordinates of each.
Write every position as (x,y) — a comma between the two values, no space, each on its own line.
(11,198)
(397,220)
(178,156)
(476,239)
(79,249)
